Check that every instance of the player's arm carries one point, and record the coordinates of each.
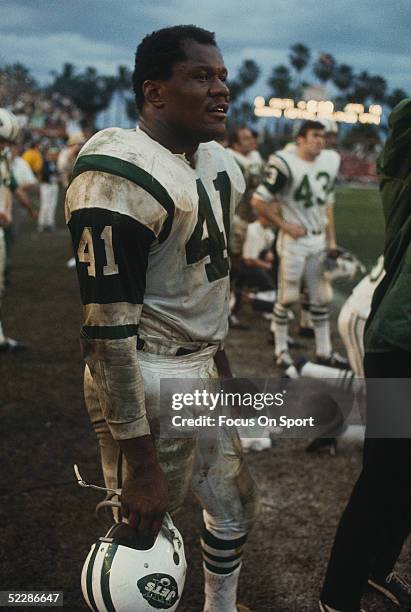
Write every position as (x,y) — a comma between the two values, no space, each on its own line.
(24,200)
(330,229)
(6,214)
(112,244)
(265,202)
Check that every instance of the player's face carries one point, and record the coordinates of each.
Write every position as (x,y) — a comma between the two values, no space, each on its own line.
(196,96)
(246,141)
(312,143)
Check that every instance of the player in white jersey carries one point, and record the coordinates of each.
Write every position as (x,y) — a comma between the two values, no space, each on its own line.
(9,130)
(149,211)
(353,315)
(297,196)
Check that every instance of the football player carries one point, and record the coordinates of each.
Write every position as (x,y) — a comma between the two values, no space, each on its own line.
(297,196)
(149,211)
(376,521)
(241,143)
(9,129)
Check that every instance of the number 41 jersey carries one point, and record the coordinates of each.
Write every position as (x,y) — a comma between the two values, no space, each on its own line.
(150,236)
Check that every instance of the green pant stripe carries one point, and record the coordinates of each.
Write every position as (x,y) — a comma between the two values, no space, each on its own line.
(138,176)
(105,577)
(89,577)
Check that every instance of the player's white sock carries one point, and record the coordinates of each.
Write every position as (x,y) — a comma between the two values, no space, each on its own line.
(279,327)
(220,591)
(222,563)
(321,323)
(2,336)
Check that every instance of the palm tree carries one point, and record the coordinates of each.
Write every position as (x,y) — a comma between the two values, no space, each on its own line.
(342,76)
(299,57)
(324,67)
(280,82)
(378,88)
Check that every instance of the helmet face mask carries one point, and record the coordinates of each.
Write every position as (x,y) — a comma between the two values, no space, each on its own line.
(120,575)
(9,126)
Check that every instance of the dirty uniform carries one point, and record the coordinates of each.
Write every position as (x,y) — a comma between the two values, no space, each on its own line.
(150,235)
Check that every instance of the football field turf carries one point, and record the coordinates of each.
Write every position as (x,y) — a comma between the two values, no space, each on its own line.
(359,222)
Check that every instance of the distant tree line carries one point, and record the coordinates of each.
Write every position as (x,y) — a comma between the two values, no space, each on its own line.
(92,92)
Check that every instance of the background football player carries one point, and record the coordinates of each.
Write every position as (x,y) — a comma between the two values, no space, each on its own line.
(149,211)
(9,129)
(297,196)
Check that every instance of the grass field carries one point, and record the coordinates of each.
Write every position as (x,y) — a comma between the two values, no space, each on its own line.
(359,222)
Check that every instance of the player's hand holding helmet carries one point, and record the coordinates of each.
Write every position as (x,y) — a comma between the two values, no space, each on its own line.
(340,263)
(119,574)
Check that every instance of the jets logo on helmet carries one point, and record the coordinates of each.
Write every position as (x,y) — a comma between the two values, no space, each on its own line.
(9,126)
(340,263)
(159,590)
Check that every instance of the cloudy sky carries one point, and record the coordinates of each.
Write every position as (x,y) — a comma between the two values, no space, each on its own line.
(371,35)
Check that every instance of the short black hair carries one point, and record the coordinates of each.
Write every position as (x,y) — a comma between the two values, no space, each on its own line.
(159,51)
(233,136)
(309,125)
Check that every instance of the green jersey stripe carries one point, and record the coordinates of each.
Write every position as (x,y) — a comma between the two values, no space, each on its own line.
(284,161)
(89,578)
(138,176)
(115,332)
(105,576)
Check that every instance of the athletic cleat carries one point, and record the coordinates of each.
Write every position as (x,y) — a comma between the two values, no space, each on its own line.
(11,346)
(334,360)
(284,359)
(306,332)
(395,587)
(325,608)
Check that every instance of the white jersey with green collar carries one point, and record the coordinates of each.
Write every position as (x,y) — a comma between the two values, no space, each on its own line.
(150,237)
(179,272)
(303,188)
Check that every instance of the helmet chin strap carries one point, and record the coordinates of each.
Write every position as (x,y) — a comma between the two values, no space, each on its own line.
(84,484)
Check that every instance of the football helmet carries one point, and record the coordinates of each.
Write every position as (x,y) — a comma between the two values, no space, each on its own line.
(340,263)
(122,574)
(9,126)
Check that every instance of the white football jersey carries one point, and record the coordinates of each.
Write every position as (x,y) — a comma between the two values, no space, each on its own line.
(303,188)
(360,298)
(150,234)
(6,181)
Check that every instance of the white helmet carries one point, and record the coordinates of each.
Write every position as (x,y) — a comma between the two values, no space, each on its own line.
(9,126)
(119,575)
(341,264)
